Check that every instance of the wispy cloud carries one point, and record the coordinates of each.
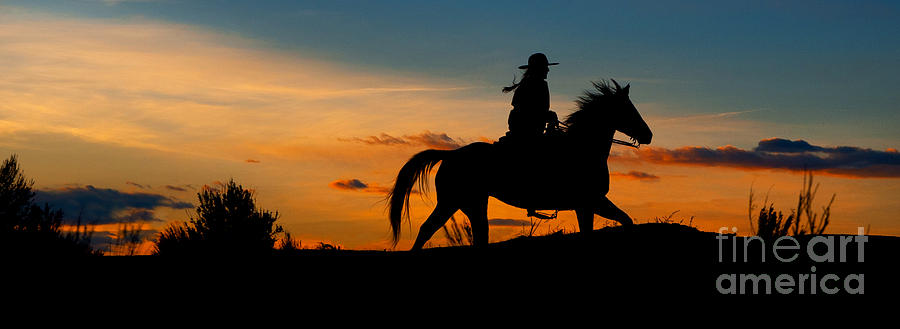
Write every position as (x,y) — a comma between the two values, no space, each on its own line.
(636,175)
(185,89)
(140,186)
(428,139)
(383,139)
(178,188)
(508,222)
(706,116)
(779,153)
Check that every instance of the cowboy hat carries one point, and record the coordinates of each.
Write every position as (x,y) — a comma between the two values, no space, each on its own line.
(537,60)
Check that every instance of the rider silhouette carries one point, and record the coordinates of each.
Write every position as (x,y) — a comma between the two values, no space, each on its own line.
(531,100)
(531,112)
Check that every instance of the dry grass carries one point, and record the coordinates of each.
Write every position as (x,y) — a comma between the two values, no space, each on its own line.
(803,220)
(458,234)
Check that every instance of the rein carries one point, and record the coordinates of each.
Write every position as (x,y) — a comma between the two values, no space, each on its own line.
(633,142)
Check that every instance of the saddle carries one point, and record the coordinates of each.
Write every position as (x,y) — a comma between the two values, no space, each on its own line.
(547,142)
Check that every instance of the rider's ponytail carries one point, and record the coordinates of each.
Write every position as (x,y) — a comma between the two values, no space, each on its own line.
(511,88)
(516,84)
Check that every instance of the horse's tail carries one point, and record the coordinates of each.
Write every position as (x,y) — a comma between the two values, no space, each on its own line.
(416,169)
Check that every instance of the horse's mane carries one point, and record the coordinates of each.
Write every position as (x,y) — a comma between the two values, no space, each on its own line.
(592,100)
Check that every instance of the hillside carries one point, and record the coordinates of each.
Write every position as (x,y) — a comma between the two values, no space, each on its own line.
(650,260)
(655,258)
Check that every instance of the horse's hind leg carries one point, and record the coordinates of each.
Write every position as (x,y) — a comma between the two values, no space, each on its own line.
(608,210)
(477,213)
(435,221)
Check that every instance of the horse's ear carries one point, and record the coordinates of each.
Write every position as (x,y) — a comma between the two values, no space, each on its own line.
(625,90)
(617,84)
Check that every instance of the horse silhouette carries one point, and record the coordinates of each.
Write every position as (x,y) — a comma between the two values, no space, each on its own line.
(574,176)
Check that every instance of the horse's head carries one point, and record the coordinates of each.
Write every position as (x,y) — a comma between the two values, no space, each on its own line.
(606,109)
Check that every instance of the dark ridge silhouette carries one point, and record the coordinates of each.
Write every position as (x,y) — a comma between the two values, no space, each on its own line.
(655,265)
(670,257)
(511,171)
(662,258)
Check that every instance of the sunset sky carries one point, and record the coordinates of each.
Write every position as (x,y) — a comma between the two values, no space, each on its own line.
(124,109)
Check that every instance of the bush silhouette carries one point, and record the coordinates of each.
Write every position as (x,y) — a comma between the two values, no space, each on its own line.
(29,229)
(288,245)
(227,223)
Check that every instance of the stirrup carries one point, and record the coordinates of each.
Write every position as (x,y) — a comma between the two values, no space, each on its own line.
(540,215)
